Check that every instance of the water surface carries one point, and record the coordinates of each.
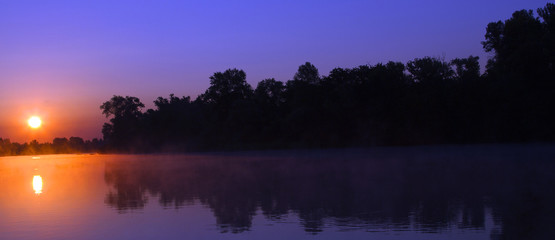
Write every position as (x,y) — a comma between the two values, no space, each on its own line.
(443,192)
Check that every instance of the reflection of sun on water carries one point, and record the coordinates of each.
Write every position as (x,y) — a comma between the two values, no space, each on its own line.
(37,184)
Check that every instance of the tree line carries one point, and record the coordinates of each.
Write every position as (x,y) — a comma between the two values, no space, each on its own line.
(57,146)
(425,101)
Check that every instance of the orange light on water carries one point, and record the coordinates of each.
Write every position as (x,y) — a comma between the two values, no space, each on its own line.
(37,184)
(34,122)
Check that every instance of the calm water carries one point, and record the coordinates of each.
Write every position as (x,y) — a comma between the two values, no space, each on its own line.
(478,192)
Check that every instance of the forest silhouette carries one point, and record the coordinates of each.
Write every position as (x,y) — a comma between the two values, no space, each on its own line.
(57,146)
(425,101)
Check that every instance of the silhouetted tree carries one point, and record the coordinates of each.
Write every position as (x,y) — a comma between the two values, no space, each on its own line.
(229,100)
(466,69)
(304,98)
(7,148)
(60,145)
(429,70)
(122,107)
(517,43)
(124,128)
(227,87)
(521,73)
(307,73)
(76,144)
(547,14)
(270,93)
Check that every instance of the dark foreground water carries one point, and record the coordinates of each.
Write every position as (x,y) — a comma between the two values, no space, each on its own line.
(447,192)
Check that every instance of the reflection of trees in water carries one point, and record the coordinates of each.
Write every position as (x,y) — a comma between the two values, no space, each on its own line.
(430,194)
(127,194)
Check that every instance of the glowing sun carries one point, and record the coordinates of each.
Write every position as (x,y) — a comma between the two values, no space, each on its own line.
(34,122)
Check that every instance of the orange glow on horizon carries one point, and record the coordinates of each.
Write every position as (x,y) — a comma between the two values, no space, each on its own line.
(34,122)
(78,118)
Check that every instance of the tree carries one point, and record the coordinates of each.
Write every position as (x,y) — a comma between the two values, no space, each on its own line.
(176,121)
(119,106)
(521,74)
(466,68)
(60,145)
(270,92)
(124,128)
(227,87)
(517,44)
(429,70)
(76,144)
(547,13)
(173,102)
(307,73)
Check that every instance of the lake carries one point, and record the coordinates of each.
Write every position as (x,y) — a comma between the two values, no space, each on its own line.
(434,192)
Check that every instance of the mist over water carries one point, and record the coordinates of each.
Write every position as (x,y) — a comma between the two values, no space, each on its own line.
(440,192)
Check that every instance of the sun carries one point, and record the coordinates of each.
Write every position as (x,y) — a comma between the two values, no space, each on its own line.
(34,122)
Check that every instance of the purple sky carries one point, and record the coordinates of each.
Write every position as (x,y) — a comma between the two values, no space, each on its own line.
(62,59)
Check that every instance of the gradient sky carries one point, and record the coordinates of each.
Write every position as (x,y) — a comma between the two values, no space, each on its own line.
(61,59)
